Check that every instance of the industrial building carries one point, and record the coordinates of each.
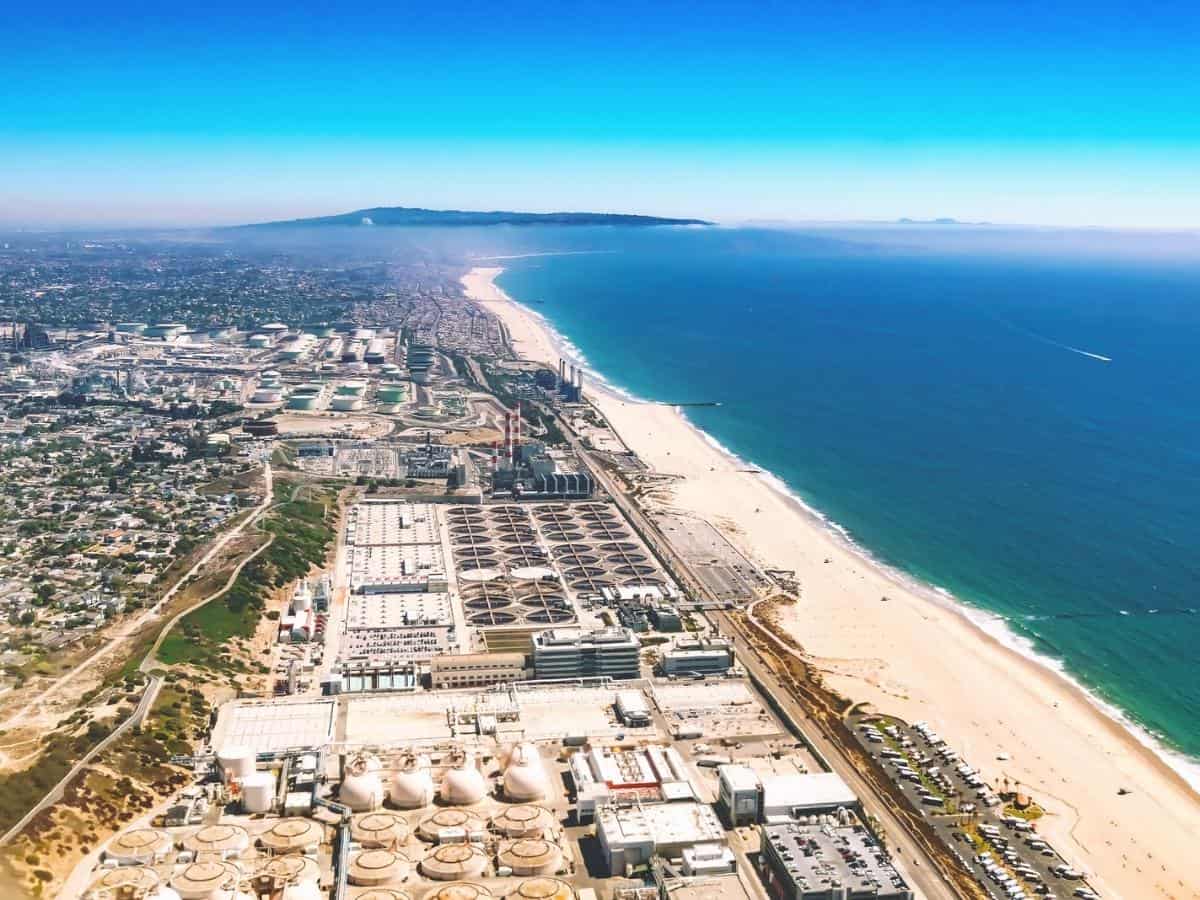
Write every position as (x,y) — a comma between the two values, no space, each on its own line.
(575,653)
(744,797)
(701,656)
(469,670)
(630,836)
(828,861)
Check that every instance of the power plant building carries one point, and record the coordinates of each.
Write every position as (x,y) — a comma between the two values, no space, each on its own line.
(574,653)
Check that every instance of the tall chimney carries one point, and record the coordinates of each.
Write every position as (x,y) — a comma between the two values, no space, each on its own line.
(579,379)
(508,435)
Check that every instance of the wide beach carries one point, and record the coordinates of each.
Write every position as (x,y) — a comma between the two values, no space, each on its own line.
(916,655)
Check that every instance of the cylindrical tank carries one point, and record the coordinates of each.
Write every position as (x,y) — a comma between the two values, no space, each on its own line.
(531,856)
(292,868)
(413,787)
(140,846)
(370,868)
(138,879)
(206,880)
(451,862)
(343,403)
(378,829)
(391,393)
(258,792)
(235,761)
(460,890)
(543,889)
(304,402)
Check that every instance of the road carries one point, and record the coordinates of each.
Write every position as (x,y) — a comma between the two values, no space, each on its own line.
(911,859)
(137,624)
(153,682)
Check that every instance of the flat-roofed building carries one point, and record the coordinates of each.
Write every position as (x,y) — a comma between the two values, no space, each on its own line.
(786,797)
(467,670)
(575,653)
(739,794)
(827,862)
(703,656)
(630,836)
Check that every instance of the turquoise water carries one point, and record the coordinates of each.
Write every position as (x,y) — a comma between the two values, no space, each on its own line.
(936,398)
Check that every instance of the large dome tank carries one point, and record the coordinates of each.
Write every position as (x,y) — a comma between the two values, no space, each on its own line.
(412,787)
(361,789)
(524,777)
(464,785)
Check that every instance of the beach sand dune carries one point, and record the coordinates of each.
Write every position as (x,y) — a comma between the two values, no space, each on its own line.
(917,657)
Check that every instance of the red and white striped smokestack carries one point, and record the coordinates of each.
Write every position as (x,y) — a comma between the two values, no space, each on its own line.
(495,454)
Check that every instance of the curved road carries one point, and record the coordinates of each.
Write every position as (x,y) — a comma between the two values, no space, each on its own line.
(154,682)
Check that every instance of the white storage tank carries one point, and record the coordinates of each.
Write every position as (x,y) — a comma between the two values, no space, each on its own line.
(258,792)
(235,761)
(361,789)
(524,778)
(464,785)
(412,788)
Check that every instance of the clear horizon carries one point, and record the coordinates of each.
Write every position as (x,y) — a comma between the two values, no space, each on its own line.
(1080,116)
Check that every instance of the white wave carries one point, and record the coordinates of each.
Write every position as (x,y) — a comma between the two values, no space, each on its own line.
(990,623)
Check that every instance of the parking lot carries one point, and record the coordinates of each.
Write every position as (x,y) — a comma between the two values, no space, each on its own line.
(1003,851)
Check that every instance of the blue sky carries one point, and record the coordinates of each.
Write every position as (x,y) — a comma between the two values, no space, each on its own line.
(1087,114)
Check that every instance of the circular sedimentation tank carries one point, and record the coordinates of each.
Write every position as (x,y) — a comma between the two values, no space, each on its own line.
(384,894)
(370,868)
(379,829)
(206,879)
(219,839)
(523,821)
(542,889)
(451,862)
(493,618)
(291,868)
(140,845)
(485,604)
(480,576)
(460,890)
(533,573)
(432,827)
(584,572)
(531,856)
(288,835)
(550,616)
(635,569)
(480,563)
(138,879)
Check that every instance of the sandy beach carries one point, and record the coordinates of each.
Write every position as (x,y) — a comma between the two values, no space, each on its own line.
(917,656)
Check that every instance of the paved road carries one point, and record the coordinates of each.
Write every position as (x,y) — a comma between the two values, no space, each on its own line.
(153,683)
(911,859)
(135,625)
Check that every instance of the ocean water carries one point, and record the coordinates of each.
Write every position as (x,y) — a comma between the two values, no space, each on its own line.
(1013,418)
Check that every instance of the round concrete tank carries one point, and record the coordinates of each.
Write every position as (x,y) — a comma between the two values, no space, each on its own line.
(235,760)
(361,789)
(524,778)
(384,894)
(346,404)
(464,785)
(543,889)
(208,880)
(141,846)
(258,792)
(451,862)
(449,823)
(379,829)
(138,879)
(523,821)
(291,868)
(291,835)
(412,788)
(460,890)
(531,856)
(371,868)
(219,840)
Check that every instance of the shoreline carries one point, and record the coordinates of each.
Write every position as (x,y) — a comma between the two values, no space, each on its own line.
(1121,842)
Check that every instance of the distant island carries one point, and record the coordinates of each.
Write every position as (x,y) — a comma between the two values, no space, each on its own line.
(943,221)
(404,215)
